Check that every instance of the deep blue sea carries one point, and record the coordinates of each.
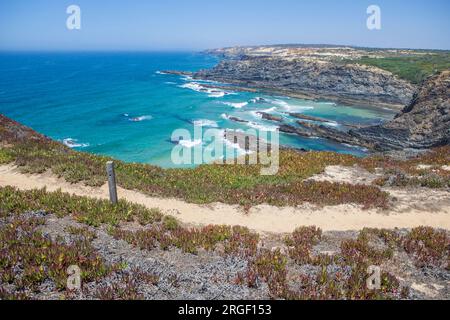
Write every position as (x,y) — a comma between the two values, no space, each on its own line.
(119,104)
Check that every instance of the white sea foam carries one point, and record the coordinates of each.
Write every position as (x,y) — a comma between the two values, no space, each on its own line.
(169,82)
(269,110)
(192,85)
(189,143)
(212,93)
(257,99)
(186,78)
(331,124)
(205,123)
(141,118)
(280,103)
(289,107)
(261,127)
(217,94)
(255,114)
(237,105)
(225,116)
(73,143)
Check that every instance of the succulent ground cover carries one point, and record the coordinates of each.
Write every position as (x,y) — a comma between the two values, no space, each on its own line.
(232,184)
(37,246)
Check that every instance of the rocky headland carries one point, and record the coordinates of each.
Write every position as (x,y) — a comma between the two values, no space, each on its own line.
(333,73)
(423,124)
(311,72)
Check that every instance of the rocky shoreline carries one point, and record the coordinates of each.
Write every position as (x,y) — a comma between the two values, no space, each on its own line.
(424,123)
(314,79)
(315,96)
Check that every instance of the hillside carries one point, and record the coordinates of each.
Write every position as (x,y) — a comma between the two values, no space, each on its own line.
(136,250)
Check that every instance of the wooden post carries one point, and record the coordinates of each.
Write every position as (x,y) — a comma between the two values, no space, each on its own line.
(111,182)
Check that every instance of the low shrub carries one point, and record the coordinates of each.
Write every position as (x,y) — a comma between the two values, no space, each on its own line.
(86,210)
(28,258)
(429,247)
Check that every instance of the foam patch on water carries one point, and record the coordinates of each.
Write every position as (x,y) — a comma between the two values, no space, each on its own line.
(212,92)
(289,107)
(218,94)
(205,123)
(257,99)
(73,143)
(141,118)
(331,124)
(261,127)
(255,114)
(236,105)
(189,143)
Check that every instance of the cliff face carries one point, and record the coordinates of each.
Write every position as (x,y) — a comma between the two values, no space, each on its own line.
(315,78)
(424,123)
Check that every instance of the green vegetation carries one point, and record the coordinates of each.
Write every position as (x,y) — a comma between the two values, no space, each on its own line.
(23,247)
(428,246)
(341,275)
(235,240)
(413,68)
(86,210)
(231,184)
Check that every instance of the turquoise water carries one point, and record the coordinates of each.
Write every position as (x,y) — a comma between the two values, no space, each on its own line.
(118,104)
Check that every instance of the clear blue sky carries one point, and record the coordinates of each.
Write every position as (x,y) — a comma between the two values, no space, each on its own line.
(199,24)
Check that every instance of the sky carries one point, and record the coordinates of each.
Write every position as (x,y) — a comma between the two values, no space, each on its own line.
(148,25)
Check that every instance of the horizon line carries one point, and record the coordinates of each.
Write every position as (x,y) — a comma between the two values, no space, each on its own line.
(199,50)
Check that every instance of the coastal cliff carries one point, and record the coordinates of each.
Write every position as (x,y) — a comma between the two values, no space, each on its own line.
(316,79)
(346,75)
(424,123)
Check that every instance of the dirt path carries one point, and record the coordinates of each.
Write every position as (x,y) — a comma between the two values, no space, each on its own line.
(424,207)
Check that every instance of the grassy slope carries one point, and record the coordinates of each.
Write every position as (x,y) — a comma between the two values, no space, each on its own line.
(43,259)
(414,68)
(232,184)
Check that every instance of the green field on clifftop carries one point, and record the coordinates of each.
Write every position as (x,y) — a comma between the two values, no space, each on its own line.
(413,68)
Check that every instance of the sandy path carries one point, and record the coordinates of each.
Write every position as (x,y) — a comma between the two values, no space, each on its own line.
(427,207)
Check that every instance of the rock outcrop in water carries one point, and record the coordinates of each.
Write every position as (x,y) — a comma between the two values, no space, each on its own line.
(423,124)
(314,78)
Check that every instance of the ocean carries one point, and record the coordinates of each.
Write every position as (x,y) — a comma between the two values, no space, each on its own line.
(121,105)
